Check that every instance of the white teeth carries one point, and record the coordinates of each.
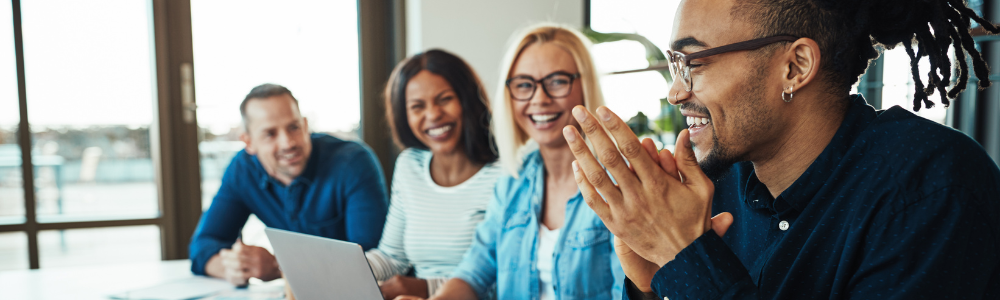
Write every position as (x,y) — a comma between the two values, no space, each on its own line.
(694,121)
(543,118)
(288,156)
(438,131)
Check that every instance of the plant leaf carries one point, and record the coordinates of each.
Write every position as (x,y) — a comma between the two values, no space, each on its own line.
(653,53)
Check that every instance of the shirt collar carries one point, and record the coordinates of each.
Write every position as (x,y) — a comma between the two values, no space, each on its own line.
(534,176)
(859,116)
(756,194)
(534,173)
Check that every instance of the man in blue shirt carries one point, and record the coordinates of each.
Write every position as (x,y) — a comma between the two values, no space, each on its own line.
(290,179)
(818,195)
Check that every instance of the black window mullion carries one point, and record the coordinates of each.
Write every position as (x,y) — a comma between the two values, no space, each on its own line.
(24,140)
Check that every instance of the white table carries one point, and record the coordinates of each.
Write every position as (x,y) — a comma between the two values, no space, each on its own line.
(91,282)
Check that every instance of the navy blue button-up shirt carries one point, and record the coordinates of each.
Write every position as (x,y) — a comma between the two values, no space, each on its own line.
(340,194)
(896,206)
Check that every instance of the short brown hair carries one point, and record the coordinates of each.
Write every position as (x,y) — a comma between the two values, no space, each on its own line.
(262,91)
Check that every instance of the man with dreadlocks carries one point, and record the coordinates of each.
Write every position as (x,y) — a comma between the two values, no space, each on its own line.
(818,195)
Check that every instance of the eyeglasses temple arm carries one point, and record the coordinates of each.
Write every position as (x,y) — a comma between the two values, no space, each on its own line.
(745,45)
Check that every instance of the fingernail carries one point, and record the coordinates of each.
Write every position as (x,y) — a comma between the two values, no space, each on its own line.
(576,167)
(604,113)
(579,114)
(687,142)
(568,133)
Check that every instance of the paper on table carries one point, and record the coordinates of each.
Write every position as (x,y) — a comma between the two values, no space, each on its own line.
(248,295)
(188,288)
(257,290)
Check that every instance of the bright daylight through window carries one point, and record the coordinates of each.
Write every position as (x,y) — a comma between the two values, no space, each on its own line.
(310,47)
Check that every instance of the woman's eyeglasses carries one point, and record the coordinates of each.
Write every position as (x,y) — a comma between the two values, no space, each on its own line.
(555,85)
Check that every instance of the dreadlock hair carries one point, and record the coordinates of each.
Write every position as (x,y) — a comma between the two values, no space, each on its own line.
(849,31)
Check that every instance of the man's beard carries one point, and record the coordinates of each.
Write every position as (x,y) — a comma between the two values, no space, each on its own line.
(751,121)
(718,161)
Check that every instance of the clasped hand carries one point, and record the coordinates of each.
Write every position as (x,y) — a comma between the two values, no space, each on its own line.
(661,203)
(243,262)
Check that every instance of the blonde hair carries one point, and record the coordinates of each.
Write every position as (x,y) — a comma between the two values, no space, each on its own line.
(511,138)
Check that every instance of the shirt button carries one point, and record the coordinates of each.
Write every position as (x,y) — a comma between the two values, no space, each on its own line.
(783,225)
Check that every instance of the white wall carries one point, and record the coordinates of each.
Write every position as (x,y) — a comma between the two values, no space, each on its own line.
(478,30)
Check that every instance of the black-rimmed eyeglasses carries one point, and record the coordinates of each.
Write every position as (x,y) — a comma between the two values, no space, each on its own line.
(680,63)
(555,85)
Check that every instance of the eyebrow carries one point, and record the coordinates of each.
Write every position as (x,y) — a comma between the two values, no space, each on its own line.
(687,42)
(546,75)
(438,96)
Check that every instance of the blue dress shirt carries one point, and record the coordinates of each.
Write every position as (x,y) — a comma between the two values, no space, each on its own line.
(340,194)
(503,250)
(896,206)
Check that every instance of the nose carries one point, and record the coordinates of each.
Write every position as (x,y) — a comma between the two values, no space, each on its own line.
(286,140)
(677,93)
(540,97)
(434,112)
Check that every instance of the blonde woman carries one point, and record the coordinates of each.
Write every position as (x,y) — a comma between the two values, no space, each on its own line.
(539,239)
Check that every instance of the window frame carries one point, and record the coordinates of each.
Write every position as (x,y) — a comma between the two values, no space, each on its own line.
(174,131)
(166,34)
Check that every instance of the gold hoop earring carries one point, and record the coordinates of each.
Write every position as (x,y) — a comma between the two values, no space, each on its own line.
(790,94)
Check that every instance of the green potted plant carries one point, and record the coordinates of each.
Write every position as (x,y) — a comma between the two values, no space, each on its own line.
(670,119)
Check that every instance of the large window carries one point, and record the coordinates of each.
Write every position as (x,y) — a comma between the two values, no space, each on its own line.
(90,98)
(310,47)
(11,189)
(90,104)
(117,133)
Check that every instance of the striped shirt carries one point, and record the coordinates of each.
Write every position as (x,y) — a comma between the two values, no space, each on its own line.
(429,227)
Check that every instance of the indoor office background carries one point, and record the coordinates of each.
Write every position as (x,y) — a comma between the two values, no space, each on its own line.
(118,117)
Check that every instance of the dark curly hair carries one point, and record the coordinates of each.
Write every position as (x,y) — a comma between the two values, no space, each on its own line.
(476,137)
(849,33)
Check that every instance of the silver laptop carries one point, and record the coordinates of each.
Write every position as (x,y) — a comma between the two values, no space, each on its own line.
(322,268)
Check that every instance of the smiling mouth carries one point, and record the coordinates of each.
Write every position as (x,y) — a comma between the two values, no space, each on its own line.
(696,122)
(291,156)
(542,119)
(439,131)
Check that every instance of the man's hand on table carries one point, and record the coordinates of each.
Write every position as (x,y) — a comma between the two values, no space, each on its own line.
(662,202)
(243,262)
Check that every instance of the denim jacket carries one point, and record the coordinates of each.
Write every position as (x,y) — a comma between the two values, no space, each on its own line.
(503,251)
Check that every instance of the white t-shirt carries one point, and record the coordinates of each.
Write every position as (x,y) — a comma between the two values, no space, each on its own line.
(546,246)
(429,227)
